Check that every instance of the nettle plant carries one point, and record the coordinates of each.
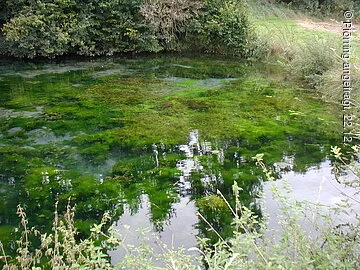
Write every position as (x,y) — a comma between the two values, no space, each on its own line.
(331,245)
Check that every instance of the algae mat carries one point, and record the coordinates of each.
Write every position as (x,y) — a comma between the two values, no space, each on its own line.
(167,131)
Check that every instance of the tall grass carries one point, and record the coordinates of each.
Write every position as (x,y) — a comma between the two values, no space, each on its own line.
(310,56)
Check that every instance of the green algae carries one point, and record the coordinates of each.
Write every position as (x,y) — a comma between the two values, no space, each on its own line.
(114,127)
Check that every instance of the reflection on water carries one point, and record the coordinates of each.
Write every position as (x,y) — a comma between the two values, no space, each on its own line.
(319,186)
(179,231)
(156,136)
(190,164)
(193,151)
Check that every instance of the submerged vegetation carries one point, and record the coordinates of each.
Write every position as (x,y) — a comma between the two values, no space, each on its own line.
(253,245)
(266,30)
(103,134)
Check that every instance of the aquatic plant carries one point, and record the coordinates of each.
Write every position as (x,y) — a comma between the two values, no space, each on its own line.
(253,246)
(118,135)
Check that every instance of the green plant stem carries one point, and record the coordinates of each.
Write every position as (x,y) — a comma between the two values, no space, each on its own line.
(212,228)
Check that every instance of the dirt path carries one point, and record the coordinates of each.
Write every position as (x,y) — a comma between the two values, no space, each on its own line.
(330,26)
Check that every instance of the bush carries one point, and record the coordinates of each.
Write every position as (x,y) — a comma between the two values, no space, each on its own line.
(170,19)
(108,27)
(41,30)
(314,58)
(44,29)
(323,7)
(223,27)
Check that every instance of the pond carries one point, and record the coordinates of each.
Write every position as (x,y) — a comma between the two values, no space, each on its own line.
(151,139)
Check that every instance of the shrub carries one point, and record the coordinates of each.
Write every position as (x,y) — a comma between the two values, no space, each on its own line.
(314,58)
(109,27)
(44,29)
(170,19)
(39,30)
(223,27)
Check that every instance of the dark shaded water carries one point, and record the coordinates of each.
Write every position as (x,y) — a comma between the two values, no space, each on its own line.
(150,139)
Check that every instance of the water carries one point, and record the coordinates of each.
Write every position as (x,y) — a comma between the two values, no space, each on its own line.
(317,186)
(150,139)
(180,229)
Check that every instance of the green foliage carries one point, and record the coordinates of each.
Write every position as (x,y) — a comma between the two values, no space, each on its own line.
(313,60)
(170,19)
(41,29)
(323,7)
(48,29)
(101,27)
(223,28)
(108,27)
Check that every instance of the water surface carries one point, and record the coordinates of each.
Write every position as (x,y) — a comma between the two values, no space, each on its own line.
(151,139)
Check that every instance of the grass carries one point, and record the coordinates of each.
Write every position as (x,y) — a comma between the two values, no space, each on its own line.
(309,55)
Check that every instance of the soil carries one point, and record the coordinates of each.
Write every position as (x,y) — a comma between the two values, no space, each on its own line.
(332,26)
